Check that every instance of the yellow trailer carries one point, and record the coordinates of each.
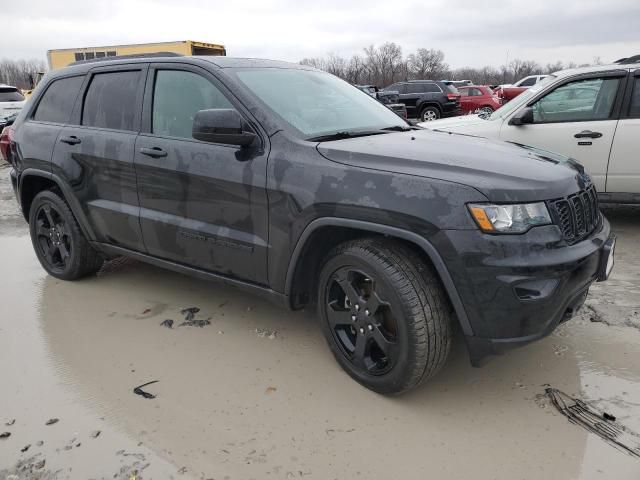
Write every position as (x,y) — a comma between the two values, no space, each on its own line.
(63,57)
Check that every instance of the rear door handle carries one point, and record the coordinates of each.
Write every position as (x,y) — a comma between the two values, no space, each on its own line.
(155,152)
(71,140)
(588,134)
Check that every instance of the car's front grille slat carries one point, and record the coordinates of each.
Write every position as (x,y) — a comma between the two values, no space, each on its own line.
(577,215)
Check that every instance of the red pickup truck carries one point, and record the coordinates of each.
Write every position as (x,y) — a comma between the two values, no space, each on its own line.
(509,92)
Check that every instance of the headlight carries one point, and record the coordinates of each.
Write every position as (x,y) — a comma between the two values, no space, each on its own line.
(509,218)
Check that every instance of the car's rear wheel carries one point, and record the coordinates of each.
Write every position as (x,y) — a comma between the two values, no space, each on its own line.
(384,314)
(60,245)
(429,114)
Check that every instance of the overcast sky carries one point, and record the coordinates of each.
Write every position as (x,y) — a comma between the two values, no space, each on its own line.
(471,33)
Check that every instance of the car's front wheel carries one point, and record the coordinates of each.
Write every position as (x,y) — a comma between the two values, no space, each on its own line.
(384,314)
(429,114)
(60,245)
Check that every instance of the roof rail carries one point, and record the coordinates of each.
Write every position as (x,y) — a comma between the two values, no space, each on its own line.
(125,57)
(628,60)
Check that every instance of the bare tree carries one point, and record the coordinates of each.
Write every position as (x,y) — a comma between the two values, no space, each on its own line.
(426,64)
(20,73)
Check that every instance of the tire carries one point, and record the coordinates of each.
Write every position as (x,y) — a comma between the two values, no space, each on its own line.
(60,245)
(428,114)
(401,335)
(486,110)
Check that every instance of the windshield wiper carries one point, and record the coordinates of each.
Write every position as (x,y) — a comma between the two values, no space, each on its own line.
(344,134)
(399,128)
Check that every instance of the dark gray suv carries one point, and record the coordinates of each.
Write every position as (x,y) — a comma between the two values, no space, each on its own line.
(290,183)
(428,100)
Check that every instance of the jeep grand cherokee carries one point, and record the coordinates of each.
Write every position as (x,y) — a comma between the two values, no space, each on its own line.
(290,183)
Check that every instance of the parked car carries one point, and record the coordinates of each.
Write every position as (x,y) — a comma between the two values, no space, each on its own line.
(428,100)
(11,101)
(286,182)
(591,114)
(391,99)
(509,92)
(457,83)
(478,99)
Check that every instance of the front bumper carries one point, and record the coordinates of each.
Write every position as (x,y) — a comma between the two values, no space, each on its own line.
(517,288)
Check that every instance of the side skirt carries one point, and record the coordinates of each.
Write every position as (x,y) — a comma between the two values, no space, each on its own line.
(272,296)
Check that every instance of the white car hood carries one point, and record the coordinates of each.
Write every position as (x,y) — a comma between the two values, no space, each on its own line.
(453,122)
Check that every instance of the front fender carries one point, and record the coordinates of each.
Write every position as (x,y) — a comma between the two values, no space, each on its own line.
(390,231)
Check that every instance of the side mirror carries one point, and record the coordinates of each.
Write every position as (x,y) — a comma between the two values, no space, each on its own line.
(221,125)
(523,117)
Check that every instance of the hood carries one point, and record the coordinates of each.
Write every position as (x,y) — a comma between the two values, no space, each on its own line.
(446,123)
(503,172)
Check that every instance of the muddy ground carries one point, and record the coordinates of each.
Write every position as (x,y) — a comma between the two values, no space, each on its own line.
(255,394)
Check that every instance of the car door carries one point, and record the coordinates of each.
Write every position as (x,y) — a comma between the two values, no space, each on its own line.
(623,175)
(37,136)
(202,204)
(582,129)
(94,153)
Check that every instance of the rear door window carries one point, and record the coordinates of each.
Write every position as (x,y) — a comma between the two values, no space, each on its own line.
(58,100)
(10,95)
(112,101)
(415,88)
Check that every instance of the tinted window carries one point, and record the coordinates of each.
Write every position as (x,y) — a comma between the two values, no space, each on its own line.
(475,92)
(528,82)
(10,95)
(464,91)
(634,108)
(112,101)
(448,88)
(176,99)
(433,88)
(57,102)
(415,88)
(577,101)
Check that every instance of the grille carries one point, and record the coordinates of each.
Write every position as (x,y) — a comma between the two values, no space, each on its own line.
(577,215)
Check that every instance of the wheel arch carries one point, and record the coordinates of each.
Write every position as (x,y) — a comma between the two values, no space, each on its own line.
(33,181)
(429,103)
(322,234)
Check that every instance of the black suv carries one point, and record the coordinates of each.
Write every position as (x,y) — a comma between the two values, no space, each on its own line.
(428,100)
(290,183)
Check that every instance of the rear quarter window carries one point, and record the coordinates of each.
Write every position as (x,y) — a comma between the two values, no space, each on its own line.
(58,100)
(112,101)
(433,88)
(10,95)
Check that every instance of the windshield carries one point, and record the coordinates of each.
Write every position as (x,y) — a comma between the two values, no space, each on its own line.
(317,103)
(521,99)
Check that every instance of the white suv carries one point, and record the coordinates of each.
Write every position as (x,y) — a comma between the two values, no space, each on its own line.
(11,101)
(591,114)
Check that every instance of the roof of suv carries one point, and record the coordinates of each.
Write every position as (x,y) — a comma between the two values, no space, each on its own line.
(597,68)
(218,61)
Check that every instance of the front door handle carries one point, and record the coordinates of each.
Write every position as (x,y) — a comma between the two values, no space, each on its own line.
(588,134)
(71,140)
(155,152)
